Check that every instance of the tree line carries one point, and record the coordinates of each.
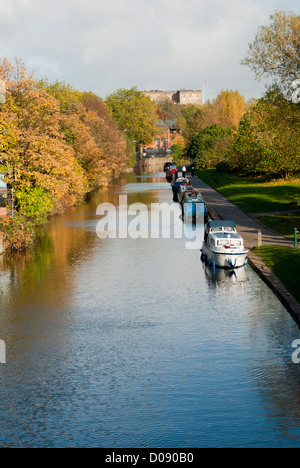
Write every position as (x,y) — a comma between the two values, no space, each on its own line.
(56,144)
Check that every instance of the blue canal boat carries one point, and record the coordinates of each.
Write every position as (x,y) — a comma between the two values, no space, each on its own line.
(193,205)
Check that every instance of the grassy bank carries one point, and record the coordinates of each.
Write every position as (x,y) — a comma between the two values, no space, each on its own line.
(285,263)
(254,195)
(284,224)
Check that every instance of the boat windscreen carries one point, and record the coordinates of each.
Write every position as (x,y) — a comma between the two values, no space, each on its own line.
(216,226)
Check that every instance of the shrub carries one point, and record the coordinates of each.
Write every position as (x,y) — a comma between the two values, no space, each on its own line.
(35,203)
(19,234)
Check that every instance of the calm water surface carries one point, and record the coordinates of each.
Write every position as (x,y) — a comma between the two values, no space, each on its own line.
(133,343)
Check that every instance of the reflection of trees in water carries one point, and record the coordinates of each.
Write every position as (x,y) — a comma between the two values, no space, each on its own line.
(44,275)
(38,288)
(277,377)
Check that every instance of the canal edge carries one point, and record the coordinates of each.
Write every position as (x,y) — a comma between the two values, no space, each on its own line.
(269,278)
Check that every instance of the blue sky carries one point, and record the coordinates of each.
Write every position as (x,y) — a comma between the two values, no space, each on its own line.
(103,45)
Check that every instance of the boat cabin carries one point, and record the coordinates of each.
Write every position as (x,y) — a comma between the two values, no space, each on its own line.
(223,234)
(193,197)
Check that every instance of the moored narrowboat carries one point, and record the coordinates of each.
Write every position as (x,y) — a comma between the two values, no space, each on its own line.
(183,189)
(193,205)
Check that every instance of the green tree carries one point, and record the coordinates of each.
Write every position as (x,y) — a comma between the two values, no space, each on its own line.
(268,139)
(210,146)
(135,114)
(35,203)
(192,121)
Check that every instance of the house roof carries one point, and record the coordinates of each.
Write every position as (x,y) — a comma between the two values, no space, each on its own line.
(162,124)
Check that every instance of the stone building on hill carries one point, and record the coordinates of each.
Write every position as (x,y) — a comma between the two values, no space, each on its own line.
(183,96)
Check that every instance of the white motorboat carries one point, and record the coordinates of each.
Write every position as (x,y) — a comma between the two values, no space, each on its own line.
(223,247)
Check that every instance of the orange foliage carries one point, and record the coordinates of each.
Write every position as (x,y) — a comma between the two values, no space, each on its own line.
(56,138)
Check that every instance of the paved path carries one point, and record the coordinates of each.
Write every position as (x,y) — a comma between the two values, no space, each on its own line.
(247,226)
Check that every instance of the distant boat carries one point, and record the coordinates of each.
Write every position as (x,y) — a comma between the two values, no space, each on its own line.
(183,189)
(170,171)
(223,247)
(177,185)
(175,176)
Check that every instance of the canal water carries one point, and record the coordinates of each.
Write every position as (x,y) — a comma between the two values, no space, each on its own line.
(134,343)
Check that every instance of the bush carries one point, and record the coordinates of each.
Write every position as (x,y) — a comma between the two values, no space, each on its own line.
(224,166)
(19,234)
(35,203)
(177,151)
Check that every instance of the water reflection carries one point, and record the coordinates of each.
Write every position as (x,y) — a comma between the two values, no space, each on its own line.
(221,277)
(132,343)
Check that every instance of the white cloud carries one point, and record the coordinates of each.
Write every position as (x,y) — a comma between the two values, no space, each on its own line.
(102,45)
(101,42)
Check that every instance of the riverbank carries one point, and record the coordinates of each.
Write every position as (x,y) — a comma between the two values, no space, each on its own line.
(20,233)
(255,195)
(220,207)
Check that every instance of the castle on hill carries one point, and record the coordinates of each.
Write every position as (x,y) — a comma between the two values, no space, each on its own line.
(183,96)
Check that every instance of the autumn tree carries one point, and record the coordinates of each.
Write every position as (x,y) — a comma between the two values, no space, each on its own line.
(226,110)
(118,149)
(100,147)
(275,51)
(192,121)
(41,166)
(229,107)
